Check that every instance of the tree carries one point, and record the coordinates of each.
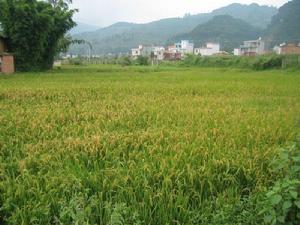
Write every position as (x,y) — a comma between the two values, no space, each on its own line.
(125,61)
(57,2)
(35,30)
(142,60)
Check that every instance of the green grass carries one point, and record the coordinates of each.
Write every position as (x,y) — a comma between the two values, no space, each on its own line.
(135,145)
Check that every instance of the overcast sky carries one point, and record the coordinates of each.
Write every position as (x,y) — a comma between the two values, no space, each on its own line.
(106,12)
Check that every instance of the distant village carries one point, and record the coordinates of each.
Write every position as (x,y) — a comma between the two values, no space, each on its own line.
(178,51)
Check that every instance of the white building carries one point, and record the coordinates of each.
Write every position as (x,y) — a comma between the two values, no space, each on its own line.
(277,49)
(251,48)
(187,47)
(159,52)
(141,51)
(135,52)
(208,50)
(184,47)
(156,51)
(237,52)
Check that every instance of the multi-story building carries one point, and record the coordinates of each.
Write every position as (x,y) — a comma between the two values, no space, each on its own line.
(150,51)
(135,52)
(184,47)
(251,48)
(158,52)
(173,52)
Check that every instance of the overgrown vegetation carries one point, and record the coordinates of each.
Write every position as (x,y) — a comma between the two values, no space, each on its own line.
(282,202)
(265,62)
(122,145)
(35,30)
(142,60)
(124,60)
(255,63)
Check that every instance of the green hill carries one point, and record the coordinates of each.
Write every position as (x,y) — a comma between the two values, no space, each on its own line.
(121,37)
(228,31)
(82,27)
(285,26)
(254,14)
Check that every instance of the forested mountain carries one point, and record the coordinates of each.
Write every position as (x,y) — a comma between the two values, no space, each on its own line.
(121,37)
(226,30)
(285,26)
(254,14)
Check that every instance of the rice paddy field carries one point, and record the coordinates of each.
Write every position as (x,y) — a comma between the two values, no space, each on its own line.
(133,145)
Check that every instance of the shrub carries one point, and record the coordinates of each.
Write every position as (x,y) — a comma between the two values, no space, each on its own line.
(142,60)
(125,61)
(76,62)
(282,202)
(256,63)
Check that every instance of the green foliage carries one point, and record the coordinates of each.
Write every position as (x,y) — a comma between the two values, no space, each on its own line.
(122,215)
(282,202)
(142,60)
(267,62)
(125,61)
(35,29)
(255,63)
(76,61)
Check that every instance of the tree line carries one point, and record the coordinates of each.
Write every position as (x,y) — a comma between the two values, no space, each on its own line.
(36,30)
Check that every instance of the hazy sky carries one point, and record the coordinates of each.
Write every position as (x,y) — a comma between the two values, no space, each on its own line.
(106,12)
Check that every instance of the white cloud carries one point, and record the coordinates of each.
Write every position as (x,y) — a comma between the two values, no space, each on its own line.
(105,12)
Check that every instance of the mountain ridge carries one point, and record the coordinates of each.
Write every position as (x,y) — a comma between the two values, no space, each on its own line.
(285,25)
(230,32)
(83,27)
(122,36)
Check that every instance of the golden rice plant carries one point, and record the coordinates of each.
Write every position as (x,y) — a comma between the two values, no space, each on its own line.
(94,145)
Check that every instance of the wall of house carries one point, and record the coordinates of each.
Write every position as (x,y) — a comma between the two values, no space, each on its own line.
(209,50)
(135,52)
(187,47)
(290,49)
(159,52)
(197,51)
(237,52)
(214,47)
(172,56)
(7,64)
(205,52)
(252,48)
